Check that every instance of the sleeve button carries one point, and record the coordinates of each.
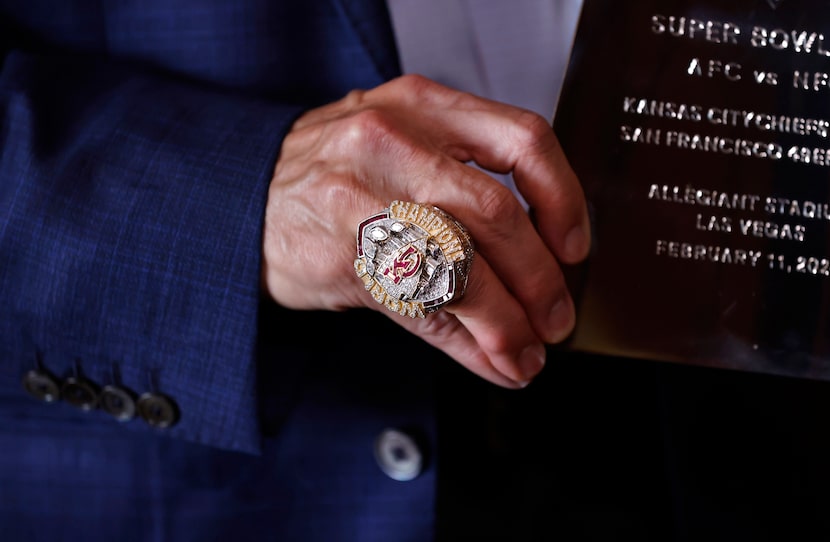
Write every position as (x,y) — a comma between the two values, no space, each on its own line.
(118,403)
(158,410)
(398,455)
(42,386)
(80,393)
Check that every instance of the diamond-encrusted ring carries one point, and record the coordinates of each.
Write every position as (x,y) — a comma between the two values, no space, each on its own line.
(413,258)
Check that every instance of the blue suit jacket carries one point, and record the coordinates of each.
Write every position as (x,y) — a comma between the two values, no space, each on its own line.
(137,142)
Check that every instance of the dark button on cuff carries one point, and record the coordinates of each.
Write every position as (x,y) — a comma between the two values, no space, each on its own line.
(42,386)
(398,455)
(80,393)
(118,403)
(158,410)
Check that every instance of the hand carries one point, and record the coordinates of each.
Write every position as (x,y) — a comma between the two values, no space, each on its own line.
(411,139)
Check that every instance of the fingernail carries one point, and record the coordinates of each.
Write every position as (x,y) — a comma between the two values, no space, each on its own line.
(561,319)
(575,243)
(531,361)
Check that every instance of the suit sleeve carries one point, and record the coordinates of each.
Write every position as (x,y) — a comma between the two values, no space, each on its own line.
(131,214)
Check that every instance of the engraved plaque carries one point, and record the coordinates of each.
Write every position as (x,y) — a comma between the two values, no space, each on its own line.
(700,131)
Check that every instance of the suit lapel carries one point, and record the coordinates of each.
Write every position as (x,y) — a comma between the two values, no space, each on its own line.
(370,20)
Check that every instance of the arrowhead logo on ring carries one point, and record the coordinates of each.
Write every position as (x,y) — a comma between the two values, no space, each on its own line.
(405,264)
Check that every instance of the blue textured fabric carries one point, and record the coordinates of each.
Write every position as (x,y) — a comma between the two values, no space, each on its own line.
(67,475)
(132,195)
(137,141)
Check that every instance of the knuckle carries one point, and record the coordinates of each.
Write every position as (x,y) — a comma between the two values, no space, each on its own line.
(368,129)
(354,99)
(441,325)
(499,207)
(546,283)
(420,91)
(499,343)
(369,123)
(294,141)
(534,132)
(415,84)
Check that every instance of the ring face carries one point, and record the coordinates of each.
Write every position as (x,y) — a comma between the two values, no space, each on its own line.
(413,258)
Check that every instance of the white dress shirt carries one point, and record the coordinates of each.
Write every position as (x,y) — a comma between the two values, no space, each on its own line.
(514,51)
